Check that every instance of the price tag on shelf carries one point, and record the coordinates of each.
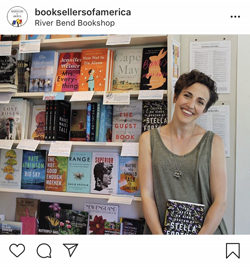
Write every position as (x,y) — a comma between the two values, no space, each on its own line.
(6,144)
(5,97)
(130,149)
(82,96)
(28,144)
(5,48)
(116,98)
(30,46)
(150,94)
(60,148)
(121,199)
(116,39)
(54,96)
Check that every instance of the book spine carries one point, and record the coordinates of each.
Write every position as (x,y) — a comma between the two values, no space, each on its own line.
(51,114)
(97,122)
(54,127)
(47,118)
(93,121)
(88,122)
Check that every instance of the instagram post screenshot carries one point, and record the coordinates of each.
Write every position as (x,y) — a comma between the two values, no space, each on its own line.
(124,133)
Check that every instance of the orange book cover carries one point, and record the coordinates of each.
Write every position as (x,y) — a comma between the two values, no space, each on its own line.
(94,69)
(68,72)
(56,174)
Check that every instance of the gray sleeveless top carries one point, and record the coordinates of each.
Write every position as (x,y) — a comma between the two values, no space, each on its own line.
(192,187)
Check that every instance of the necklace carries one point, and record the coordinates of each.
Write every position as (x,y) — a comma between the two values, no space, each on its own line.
(178,173)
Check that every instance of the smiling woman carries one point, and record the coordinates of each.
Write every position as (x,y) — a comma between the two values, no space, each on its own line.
(184,162)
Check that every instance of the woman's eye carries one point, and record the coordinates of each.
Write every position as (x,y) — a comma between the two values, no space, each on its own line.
(186,95)
(201,103)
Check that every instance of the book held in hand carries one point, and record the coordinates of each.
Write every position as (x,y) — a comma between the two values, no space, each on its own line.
(183,218)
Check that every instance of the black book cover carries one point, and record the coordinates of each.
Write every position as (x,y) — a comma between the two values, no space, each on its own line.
(132,226)
(47,119)
(8,67)
(154,68)
(51,121)
(93,121)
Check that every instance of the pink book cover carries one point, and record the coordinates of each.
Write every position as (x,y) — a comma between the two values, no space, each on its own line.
(29,224)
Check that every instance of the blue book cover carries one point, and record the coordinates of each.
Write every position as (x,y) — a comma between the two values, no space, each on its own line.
(38,36)
(88,124)
(105,127)
(33,169)
(128,183)
(43,71)
(79,172)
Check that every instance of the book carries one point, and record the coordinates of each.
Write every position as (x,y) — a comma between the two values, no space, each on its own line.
(112,228)
(29,224)
(105,128)
(38,36)
(78,125)
(47,119)
(88,122)
(98,215)
(59,36)
(43,71)
(128,183)
(127,69)
(33,206)
(97,126)
(10,228)
(50,216)
(183,218)
(154,68)
(95,69)
(11,168)
(127,121)
(38,122)
(93,121)
(68,72)
(154,114)
(13,38)
(33,169)
(73,222)
(52,111)
(79,172)
(104,174)
(61,120)
(56,173)
(132,226)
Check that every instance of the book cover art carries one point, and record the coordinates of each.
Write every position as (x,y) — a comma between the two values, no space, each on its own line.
(95,69)
(11,122)
(79,172)
(73,222)
(37,130)
(68,72)
(11,168)
(43,69)
(56,174)
(98,215)
(128,183)
(93,121)
(22,204)
(8,67)
(132,226)
(127,121)
(10,228)
(127,69)
(154,68)
(38,36)
(154,114)
(50,216)
(105,128)
(78,125)
(33,169)
(183,218)
(104,174)
(112,228)
(12,37)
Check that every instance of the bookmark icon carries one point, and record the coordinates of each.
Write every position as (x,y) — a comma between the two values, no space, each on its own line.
(71,248)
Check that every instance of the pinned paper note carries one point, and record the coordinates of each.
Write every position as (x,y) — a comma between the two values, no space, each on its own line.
(116,39)
(130,149)
(82,96)
(60,148)
(28,144)
(31,46)
(121,199)
(54,96)
(150,94)
(6,144)
(114,98)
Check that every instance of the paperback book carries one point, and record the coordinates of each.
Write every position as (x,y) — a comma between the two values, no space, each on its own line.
(112,228)
(40,36)
(104,173)
(132,226)
(22,204)
(33,169)
(78,125)
(38,122)
(79,172)
(98,215)
(10,228)
(105,128)
(183,218)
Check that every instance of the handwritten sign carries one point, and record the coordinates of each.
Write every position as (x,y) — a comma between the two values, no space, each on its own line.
(82,96)
(150,94)
(130,149)
(60,148)
(54,96)
(28,144)
(121,199)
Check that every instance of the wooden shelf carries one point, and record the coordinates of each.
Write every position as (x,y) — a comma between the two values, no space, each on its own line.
(60,194)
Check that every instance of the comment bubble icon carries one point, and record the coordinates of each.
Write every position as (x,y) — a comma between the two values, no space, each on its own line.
(44,251)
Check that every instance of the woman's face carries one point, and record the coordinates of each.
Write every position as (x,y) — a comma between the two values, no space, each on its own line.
(192,101)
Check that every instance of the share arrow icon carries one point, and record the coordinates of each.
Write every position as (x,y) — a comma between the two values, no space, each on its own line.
(71,248)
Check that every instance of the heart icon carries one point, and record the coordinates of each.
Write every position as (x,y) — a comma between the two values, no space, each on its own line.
(17,250)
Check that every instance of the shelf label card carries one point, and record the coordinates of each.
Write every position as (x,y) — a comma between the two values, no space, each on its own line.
(60,148)
(130,149)
(150,94)
(5,48)
(82,96)
(116,98)
(121,199)
(6,144)
(54,96)
(28,144)
(116,39)
(30,46)
(5,97)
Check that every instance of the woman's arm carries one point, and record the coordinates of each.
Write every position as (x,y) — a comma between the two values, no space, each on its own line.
(218,187)
(146,184)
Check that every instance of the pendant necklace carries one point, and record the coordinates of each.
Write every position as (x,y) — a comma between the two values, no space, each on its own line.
(178,173)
